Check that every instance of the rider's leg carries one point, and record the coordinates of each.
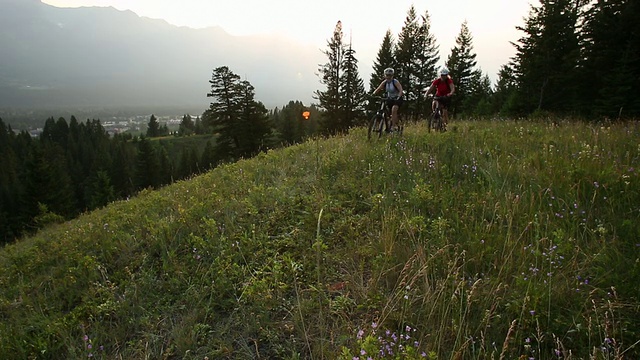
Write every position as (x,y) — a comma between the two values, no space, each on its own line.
(394,116)
(445,116)
(433,106)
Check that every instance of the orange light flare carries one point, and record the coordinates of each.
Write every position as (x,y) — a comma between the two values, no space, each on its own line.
(306,114)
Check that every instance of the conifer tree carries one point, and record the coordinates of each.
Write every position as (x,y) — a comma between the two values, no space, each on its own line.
(253,126)
(289,122)
(165,175)
(198,126)
(208,158)
(153,127)
(504,91)
(547,58)
(240,121)
(611,66)
(426,59)
(406,54)
(147,165)
(352,94)
(185,168)
(10,188)
(416,55)
(102,191)
(344,99)
(223,111)
(123,167)
(384,59)
(330,72)
(478,98)
(187,126)
(46,182)
(462,67)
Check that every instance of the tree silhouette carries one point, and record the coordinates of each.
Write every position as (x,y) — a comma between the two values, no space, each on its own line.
(416,55)
(147,165)
(462,67)
(611,65)
(352,94)
(547,58)
(240,121)
(332,116)
(153,127)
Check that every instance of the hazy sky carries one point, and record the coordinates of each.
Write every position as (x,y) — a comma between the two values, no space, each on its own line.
(491,22)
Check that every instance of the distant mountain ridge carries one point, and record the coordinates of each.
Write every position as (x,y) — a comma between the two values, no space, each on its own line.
(57,57)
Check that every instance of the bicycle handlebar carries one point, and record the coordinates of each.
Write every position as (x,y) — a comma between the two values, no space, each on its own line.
(437,97)
(382,97)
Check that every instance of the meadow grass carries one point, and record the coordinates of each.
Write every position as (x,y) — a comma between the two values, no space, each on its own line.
(495,240)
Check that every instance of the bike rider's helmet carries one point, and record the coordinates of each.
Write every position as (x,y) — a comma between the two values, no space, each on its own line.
(444,71)
(388,72)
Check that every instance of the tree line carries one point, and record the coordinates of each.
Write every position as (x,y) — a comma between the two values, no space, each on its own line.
(73,167)
(575,58)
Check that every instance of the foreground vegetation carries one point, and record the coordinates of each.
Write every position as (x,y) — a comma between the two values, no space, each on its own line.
(496,240)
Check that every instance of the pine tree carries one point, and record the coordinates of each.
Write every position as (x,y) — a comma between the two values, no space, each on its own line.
(153,127)
(123,167)
(253,126)
(165,175)
(546,59)
(223,112)
(504,91)
(426,59)
(478,98)
(10,187)
(187,126)
(462,67)
(147,165)
(416,55)
(185,168)
(240,121)
(208,158)
(289,123)
(199,127)
(102,191)
(611,66)
(352,92)
(329,99)
(46,182)
(384,59)
(406,51)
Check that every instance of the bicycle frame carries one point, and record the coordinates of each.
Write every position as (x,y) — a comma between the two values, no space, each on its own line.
(435,121)
(380,121)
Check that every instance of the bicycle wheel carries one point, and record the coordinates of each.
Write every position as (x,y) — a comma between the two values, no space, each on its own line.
(437,121)
(375,126)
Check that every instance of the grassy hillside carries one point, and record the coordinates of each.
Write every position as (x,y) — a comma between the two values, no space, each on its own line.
(511,240)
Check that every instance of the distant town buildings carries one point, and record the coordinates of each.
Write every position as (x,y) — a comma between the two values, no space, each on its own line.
(135,124)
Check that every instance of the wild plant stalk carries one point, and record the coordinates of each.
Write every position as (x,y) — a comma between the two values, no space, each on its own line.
(318,246)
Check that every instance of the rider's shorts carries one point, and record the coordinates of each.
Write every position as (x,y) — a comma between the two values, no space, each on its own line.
(391,102)
(445,102)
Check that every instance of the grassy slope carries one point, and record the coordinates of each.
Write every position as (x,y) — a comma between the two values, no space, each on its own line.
(497,239)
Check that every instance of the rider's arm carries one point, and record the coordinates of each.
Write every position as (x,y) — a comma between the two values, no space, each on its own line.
(400,91)
(452,89)
(378,88)
(429,90)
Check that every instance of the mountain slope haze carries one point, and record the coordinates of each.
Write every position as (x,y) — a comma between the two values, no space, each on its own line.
(106,57)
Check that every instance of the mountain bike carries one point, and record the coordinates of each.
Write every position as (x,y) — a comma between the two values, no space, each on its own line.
(435,120)
(381,121)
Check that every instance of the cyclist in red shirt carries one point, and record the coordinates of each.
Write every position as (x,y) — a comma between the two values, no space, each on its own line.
(444,89)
